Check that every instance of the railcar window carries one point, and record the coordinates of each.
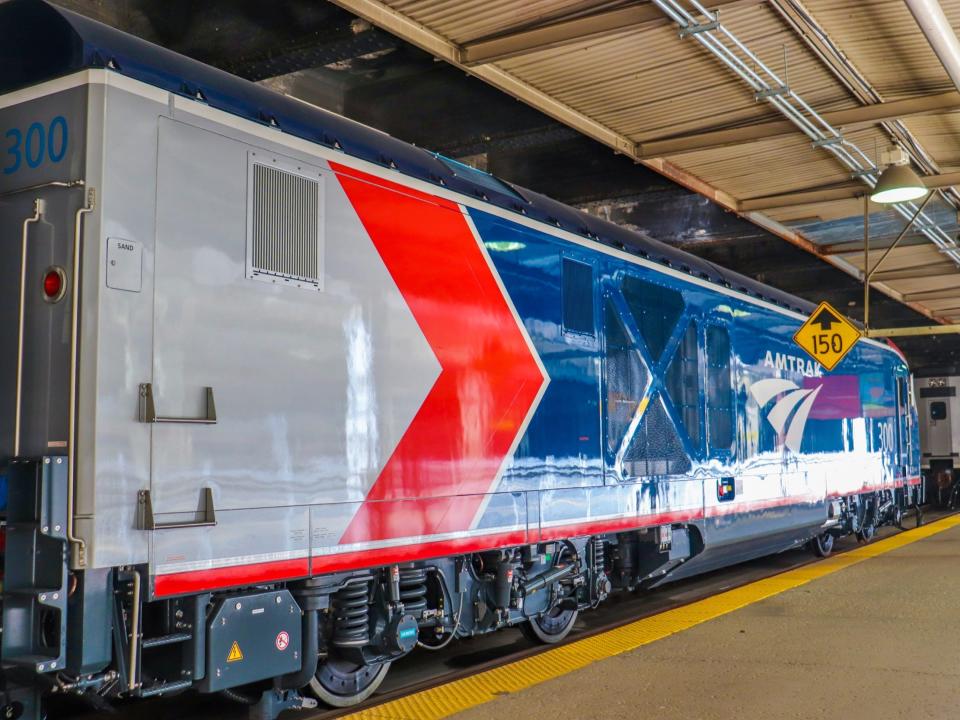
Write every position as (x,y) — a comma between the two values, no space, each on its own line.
(683,383)
(719,390)
(938,410)
(929,392)
(627,378)
(655,309)
(577,292)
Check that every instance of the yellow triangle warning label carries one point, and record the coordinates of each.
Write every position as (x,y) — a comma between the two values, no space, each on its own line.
(235,653)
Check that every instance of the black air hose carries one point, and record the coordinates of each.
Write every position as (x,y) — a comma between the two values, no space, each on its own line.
(311,654)
(239,697)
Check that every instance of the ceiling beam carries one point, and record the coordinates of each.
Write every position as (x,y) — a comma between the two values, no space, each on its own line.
(855,247)
(843,119)
(950,293)
(847,191)
(522,42)
(405,27)
(911,331)
(561,32)
(932,271)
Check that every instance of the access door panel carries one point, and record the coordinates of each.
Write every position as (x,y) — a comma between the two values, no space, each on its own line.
(269,292)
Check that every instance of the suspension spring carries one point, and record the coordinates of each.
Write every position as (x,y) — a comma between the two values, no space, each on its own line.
(602,585)
(596,549)
(351,615)
(413,589)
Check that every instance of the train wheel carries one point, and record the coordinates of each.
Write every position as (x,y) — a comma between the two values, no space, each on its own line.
(822,545)
(341,683)
(551,627)
(867,515)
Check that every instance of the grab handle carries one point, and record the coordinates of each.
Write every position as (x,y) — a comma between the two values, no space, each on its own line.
(39,207)
(148,522)
(148,410)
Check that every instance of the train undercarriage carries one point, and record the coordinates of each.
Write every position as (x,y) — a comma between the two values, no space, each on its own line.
(331,638)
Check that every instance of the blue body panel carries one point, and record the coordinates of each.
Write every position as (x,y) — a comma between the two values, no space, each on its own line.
(750,497)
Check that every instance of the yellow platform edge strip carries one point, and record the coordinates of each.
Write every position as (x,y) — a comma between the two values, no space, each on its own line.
(453,697)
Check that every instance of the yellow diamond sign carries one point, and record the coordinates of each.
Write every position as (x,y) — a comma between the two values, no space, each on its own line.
(827,336)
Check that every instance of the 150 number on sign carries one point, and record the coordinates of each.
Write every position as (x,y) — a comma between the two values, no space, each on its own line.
(825,343)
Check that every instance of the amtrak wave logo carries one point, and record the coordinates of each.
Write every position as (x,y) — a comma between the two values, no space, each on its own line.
(764,391)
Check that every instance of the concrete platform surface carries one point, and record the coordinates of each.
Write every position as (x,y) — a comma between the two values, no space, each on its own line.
(879,639)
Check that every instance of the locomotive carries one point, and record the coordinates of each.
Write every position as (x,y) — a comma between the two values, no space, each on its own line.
(290,399)
(936,407)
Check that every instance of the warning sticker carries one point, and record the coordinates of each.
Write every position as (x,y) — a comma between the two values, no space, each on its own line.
(283,640)
(235,654)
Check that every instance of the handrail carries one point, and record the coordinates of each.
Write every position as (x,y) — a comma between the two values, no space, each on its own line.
(76,542)
(39,206)
(40,186)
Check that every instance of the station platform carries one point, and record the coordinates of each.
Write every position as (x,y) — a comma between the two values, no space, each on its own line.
(870,632)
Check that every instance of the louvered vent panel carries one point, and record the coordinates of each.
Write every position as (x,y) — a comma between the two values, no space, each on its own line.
(285,238)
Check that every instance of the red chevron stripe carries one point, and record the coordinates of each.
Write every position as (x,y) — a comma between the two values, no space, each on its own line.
(450,454)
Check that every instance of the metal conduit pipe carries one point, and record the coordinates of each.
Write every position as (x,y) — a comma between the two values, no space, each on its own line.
(311,653)
(759,84)
(687,20)
(943,40)
(867,173)
(711,35)
(797,16)
(934,24)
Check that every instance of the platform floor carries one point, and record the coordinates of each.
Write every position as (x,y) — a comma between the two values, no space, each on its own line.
(878,639)
(871,633)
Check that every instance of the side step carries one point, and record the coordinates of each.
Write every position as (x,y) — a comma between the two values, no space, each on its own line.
(163,640)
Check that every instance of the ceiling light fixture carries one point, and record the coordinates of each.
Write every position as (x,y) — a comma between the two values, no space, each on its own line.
(898,183)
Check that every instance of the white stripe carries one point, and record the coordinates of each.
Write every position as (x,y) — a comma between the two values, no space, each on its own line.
(618,516)
(328,551)
(413,540)
(85,77)
(193,565)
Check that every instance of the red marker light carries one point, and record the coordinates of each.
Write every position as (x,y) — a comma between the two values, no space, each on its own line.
(53,281)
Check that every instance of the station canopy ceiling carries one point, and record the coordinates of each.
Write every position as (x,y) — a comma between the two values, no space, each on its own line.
(697,96)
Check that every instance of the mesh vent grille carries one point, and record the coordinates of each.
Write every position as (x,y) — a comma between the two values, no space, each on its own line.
(285,225)
(655,448)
